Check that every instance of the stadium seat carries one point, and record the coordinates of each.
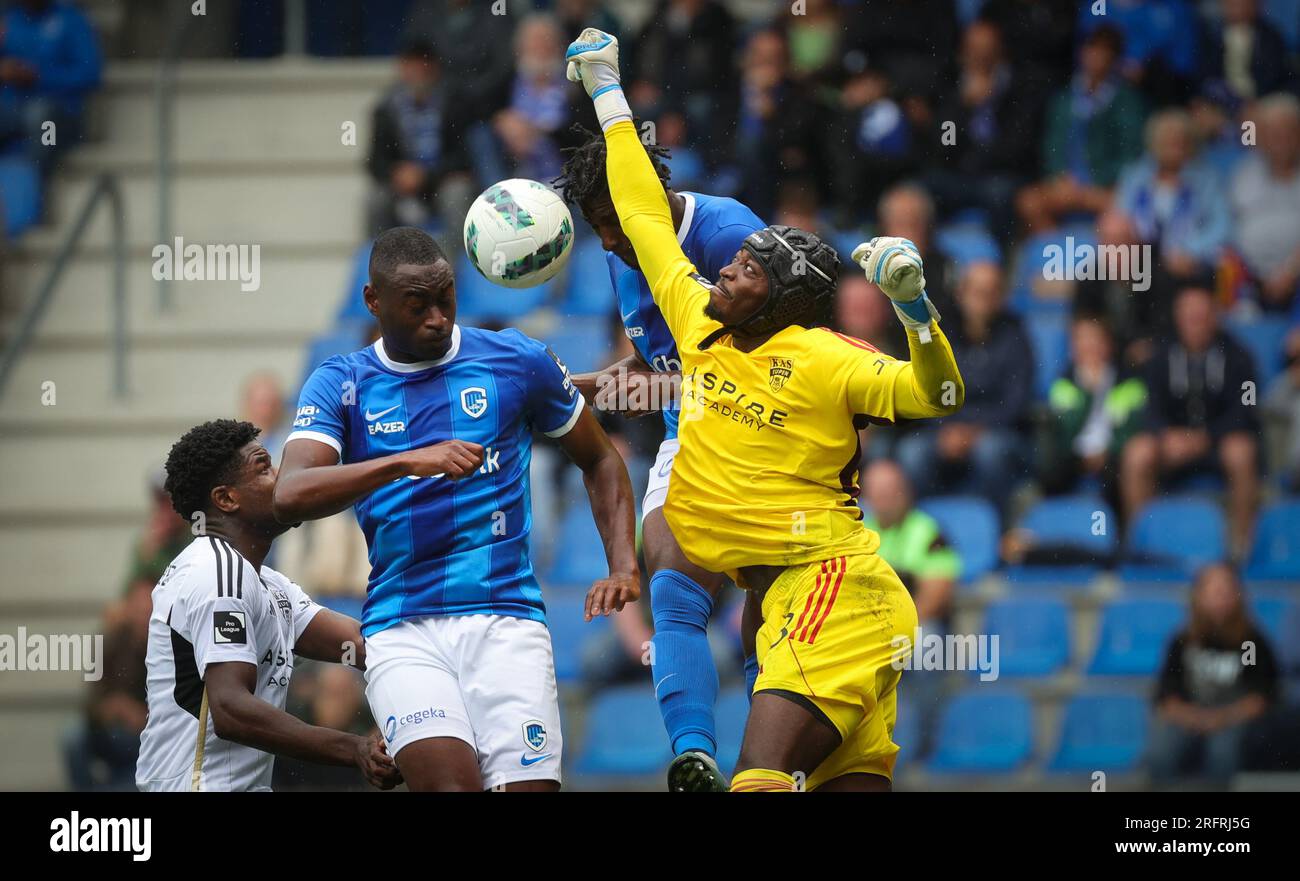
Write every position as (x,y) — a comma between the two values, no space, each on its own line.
(971,524)
(1068,521)
(580,558)
(1102,732)
(570,634)
(983,733)
(581,343)
(1285,16)
(480,300)
(1171,538)
(967,243)
(731,712)
(1134,634)
(1033,635)
(1264,337)
(353,306)
(1049,334)
(20,196)
(625,734)
(1278,615)
(347,336)
(1027,274)
(907,733)
(1276,552)
(588,290)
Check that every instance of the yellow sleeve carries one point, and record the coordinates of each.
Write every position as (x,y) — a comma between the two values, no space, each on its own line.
(929,385)
(642,207)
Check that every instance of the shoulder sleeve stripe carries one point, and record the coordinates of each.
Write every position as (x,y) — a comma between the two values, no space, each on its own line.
(854,341)
(578,406)
(216,552)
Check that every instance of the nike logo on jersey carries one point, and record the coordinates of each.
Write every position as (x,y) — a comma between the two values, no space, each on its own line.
(371,417)
(525,760)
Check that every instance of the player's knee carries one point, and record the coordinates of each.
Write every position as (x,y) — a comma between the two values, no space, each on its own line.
(678,603)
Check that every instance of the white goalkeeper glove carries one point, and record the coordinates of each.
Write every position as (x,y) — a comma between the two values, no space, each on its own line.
(894,265)
(593,61)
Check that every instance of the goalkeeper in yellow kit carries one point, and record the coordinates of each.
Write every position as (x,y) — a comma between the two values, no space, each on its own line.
(764,485)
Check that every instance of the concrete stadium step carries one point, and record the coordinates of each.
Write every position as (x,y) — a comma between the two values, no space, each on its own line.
(61,563)
(270,207)
(67,476)
(298,298)
(169,385)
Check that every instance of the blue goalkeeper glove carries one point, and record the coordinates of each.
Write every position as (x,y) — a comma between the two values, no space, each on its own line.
(894,265)
(593,61)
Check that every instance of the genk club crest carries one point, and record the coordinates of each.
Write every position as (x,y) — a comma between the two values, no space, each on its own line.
(474,401)
(779,372)
(535,735)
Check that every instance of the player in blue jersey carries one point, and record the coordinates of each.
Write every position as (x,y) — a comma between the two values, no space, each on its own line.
(428,433)
(711,230)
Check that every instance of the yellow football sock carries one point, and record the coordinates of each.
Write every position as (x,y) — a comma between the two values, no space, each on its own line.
(762,780)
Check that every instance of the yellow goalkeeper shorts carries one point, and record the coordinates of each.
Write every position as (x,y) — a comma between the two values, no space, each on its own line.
(832,632)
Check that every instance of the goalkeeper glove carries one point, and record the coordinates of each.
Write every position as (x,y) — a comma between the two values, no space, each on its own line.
(593,61)
(894,265)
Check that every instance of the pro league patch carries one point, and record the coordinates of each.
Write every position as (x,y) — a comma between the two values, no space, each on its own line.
(229,628)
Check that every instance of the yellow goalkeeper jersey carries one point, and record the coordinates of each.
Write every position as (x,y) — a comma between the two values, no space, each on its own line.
(768,467)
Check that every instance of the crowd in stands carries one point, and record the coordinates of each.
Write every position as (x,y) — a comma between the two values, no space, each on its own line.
(1145,427)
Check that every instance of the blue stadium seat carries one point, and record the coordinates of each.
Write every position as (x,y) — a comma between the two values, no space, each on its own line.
(570,635)
(1264,337)
(1134,634)
(1102,732)
(1033,635)
(625,734)
(1276,553)
(971,524)
(580,556)
(967,243)
(1068,520)
(984,733)
(1176,536)
(588,290)
(20,196)
(581,343)
(1049,334)
(353,307)
(480,300)
(347,336)
(731,712)
(1285,16)
(907,733)
(350,606)
(1278,615)
(1028,265)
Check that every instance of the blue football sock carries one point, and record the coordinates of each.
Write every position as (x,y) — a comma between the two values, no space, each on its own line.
(686,680)
(751,675)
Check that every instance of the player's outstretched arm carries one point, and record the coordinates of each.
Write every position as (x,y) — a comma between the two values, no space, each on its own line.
(635,188)
(605,475)
(613,389)
(930,384)
(312,484)
(239,716)
(333,638)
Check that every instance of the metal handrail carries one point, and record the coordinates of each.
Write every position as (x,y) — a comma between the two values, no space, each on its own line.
(163,90)
(105,187)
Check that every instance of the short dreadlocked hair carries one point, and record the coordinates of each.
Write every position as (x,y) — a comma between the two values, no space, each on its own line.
(583,176)
(206,456)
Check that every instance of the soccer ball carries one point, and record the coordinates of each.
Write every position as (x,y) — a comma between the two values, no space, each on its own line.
(518,233)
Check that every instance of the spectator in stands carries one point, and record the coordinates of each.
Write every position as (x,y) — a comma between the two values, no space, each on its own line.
(1219,676)
(536,124)
(574,15)
(1093,127)
(1171,201)
(262,403)
(1265,201)
(1094,409)
(981,449)
(778,127)
(1246,53)
(1282,407)
(870,142)
(681,64)
(861,313)
(996,120)
(101,751)
(914,545)
(911,42)
(165,535)
(49,62)
(1039,37)
(1161,38)
(415,159)
(814,30)
(1197,417)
